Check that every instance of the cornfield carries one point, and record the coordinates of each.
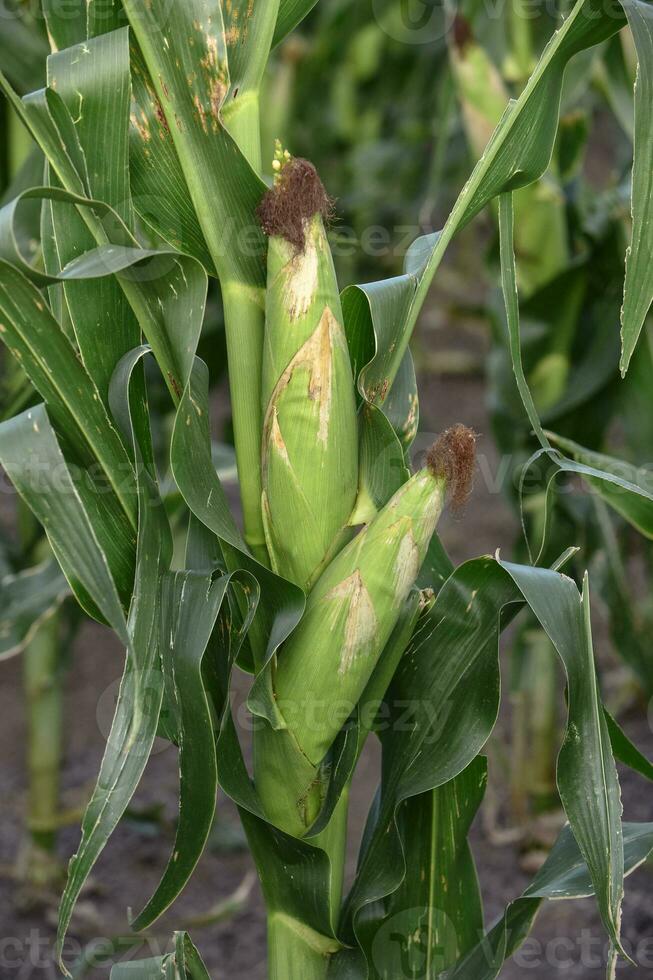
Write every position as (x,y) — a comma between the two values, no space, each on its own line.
(146,190)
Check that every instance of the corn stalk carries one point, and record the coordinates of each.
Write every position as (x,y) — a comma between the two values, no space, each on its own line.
(338,598)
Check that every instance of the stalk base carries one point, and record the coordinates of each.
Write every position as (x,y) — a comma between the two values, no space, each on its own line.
(297,952)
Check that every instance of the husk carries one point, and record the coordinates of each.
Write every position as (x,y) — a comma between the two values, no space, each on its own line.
(350,615)
(310,442)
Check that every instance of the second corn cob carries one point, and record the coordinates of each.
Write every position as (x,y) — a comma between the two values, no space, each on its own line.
(351,611)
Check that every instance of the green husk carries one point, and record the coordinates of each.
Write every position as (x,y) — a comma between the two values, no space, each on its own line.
(351,613)
(310,441)
(327,662)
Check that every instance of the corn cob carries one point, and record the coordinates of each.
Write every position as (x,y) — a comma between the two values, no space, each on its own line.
(310,442)
(351,611)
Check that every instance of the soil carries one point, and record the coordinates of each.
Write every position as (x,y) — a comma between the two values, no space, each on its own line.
(567,935)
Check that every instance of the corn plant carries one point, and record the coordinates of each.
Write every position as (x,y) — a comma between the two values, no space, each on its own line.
(335,593)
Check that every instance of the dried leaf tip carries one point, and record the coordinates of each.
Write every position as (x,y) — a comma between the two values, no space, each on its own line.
(452,456)
(297,196)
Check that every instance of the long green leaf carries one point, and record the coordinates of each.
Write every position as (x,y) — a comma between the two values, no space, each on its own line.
(214,168)
(564,875)
(32,334)
(587,775)
(96,90)
(628,492)
(66,26)
(215,129)
(291,14)
(159,188)
(620,484)
(638,288)
(141,691)
(190,605)
(184,963)
(436,915)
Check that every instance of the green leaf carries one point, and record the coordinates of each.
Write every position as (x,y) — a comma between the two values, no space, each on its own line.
(85,527)
(27,599)
(166,289)
(586,772)
(96,91)
(564,875)
(371,319)
(189,962)
(279,856)
(625,751)
(248,33)
(159,189)
(185,963)
(626,488)
(436,915)
(214,168)
(141,691)
(291,14)
(638,288)
(47,356)
(155,968)
(66,26)
(190,605)
(196,69)
(92,80)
